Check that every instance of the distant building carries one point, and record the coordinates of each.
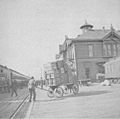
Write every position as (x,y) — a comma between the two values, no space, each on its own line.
(90,50)
(7,74)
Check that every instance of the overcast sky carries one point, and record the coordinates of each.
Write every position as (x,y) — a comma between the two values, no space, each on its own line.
(31,30)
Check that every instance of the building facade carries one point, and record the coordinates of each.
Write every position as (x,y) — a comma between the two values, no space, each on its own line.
(90,50)
(5,75)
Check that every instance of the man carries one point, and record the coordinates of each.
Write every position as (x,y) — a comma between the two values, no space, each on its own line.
(31,87)
(13,87)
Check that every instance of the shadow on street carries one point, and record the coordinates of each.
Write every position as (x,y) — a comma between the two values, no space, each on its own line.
(50,100)
(89,93)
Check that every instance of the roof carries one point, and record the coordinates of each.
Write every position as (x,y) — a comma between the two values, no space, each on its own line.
(93,35)
(3,66)
(118,32)
(19,74)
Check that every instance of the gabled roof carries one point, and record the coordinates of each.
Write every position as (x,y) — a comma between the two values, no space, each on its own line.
(118,32)
(93,35)
(112,34)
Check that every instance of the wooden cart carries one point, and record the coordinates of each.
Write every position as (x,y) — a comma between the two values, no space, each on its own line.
(61,79)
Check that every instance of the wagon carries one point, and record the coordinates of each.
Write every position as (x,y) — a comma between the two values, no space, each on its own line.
(61,78)
(112,70)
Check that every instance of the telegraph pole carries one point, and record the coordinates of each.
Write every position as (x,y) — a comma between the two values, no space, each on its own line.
(41,74)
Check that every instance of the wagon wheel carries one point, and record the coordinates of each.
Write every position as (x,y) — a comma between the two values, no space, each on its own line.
(50,93)
(75,88)
(58,92)
(66,90)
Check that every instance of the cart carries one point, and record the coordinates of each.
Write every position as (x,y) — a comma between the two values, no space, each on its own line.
(61,79)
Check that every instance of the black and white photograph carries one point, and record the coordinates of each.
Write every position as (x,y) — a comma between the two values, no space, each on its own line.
(59,59)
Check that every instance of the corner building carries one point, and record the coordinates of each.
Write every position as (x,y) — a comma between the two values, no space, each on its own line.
(90,50)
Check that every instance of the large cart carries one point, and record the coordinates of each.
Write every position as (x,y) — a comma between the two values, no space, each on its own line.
(112,70)
(61,78)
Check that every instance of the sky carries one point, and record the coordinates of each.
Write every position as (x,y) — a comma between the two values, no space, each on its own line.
(31,30)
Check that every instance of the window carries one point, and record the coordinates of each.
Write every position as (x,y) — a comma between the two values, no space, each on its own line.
(48,76)
(118,49)
(105,50)
(114,50)
(109,50)
(87,73)
(1,71)
(70,54)
(62,70)
(90,50)
(52,76)
(67,55)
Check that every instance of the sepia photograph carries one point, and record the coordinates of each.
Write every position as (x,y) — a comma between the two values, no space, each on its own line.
(59,59)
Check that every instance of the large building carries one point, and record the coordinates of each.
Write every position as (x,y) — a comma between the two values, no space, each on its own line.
(90,50)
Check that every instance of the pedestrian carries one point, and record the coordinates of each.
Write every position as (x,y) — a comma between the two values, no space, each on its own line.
(13,87)
(31,87)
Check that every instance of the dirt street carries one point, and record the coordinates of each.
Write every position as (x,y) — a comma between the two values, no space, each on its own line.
(92,102)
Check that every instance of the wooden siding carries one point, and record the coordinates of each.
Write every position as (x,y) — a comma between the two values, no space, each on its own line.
(82,49)
(83,65)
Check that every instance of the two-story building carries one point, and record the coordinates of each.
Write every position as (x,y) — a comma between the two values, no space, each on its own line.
(90,50)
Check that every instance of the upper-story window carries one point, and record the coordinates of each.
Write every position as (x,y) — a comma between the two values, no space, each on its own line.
(70,53)
(90,50)
(1,71)
(114,50)
(107,50)
(67,55)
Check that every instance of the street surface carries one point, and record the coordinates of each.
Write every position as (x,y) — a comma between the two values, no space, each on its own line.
(92,102)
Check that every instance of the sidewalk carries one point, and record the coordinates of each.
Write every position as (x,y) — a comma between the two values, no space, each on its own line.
(35,107)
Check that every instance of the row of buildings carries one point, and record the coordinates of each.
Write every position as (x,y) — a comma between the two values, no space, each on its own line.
(90,50)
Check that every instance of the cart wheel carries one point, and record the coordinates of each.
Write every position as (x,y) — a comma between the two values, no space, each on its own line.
(75,88)
(50,93)
(65,89)
(58,92)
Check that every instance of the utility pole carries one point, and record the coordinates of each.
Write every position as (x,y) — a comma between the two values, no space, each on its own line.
(41,79)
(41,74)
